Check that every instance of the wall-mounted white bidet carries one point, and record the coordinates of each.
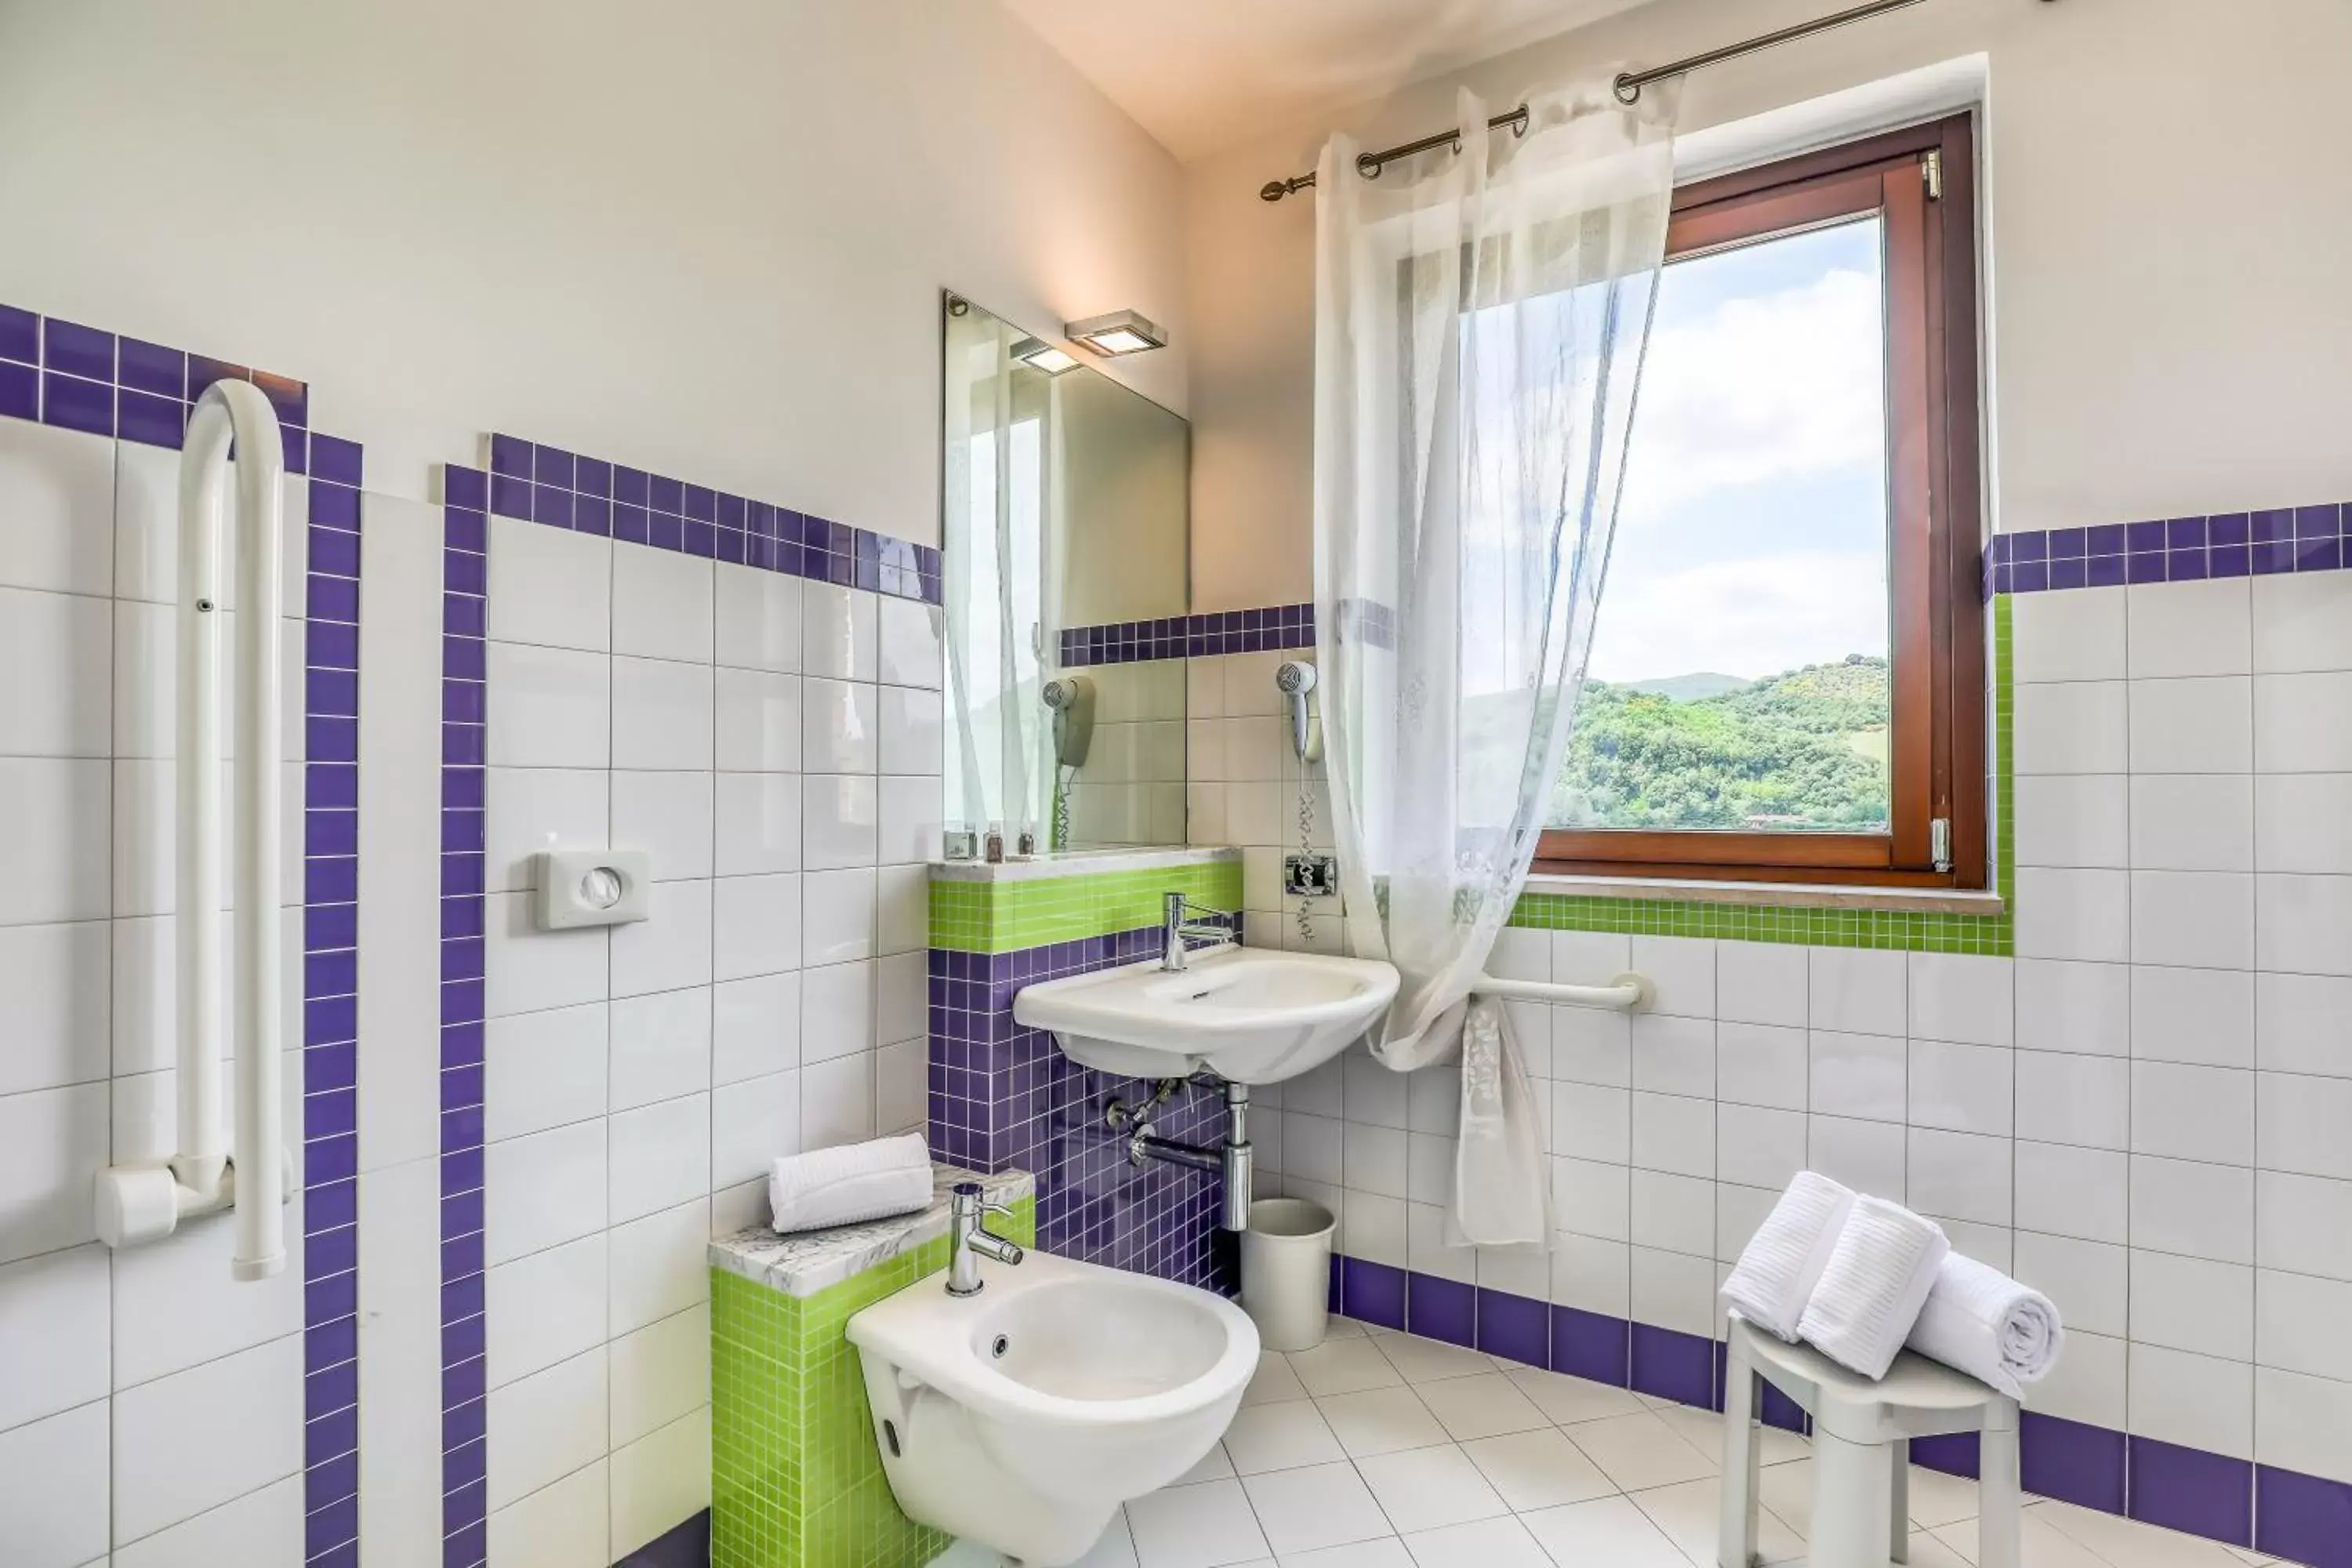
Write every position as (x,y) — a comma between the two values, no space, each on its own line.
(1023,1415)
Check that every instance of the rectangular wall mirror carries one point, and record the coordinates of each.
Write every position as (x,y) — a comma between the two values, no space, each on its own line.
(1066,526)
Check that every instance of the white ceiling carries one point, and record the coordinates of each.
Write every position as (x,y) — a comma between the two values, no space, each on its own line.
(1202,75)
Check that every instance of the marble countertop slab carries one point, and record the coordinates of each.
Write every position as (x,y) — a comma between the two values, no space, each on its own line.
(1082,863)
(805,1262)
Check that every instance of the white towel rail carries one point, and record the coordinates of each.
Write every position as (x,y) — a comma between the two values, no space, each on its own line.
(246,1171)
(1626,992)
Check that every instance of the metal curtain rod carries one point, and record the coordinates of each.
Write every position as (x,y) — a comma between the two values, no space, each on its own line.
(1628,86)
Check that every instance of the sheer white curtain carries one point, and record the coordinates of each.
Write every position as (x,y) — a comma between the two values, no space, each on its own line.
(1481,316)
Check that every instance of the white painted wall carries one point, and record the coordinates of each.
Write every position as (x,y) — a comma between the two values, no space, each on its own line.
(707,242)
(2167,226)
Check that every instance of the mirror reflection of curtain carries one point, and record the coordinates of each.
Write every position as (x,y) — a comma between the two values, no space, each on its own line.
(1481,316)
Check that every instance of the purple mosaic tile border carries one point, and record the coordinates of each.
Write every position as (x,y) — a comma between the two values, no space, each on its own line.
(60,373)
(1001,1094)
(330,847)
(2301,1518)
(1206,635)
(590,495)
(465,602)
(2171,549)
(78,378)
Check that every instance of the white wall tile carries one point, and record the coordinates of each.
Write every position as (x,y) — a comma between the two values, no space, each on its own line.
(2301,1123)
(2192,1303)
(2191,1113)
(758,619)
(1959,1175)
(264,1527)
(562,1525)
(2193,1209)
(1676,1213)
(661,1156)
(758,722)
(2302,1224)
(663,714)
(2302,723)
(912,730)
(57,834)
(1861,1076)
(1372,1158)
(670,948)
(1674,1056)
(2303,821)
(2303,1423)
(660,1372)
(542,1191)
(1673,1290)
(2071,727)
(400,1360)
(658,1265)
(1758,1147)
(1761,983)
(2299,1324)
(1761,1064)
(544,1426)
(840,725)
(2203,725)
(177,1306)
(1673,1134)
(53,1143)
(549,708)
(2073,1007)
(1963,998)
(53,1477)
(753,1123)
(550,586)
(1592,1122)
(662,605)
(836,916)
(1591,1045)
(2074,1099)
(2189,628)
(909,644)
(668,814)
(839,630)
(1682,969)
(1739,1214)
(837,1011)
(545,1308)
(2080,1193)
(902,1009)
(1858,991)
(840,821)
(2073,819)
(2193,822)
(2088,1383)
(661,1046)
(2090,1282)
(755,1027)
(2298,1024)
(56,991)
(1591,1275)
(543,1070)
(59,651)
(2203,919)
(55,1334)
(169,1464)
(58,503)
(1868,1157)
(2069,637)
(837,1101)
(2192,1401)
(2303,925)
(2203,1016)
(531,809)
(2303,621)
(1961,1089)
(660,1482)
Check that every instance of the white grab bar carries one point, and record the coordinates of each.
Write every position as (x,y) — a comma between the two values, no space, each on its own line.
(1626,992)
(145,1202)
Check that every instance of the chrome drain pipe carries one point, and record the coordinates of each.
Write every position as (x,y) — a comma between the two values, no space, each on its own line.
(1231,1157)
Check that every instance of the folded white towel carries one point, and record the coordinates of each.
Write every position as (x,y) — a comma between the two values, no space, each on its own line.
(1783,1262)
(857,1181)
(1879,1274)
(1984,1323)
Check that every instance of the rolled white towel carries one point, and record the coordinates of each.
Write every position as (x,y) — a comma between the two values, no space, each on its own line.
(1980,1322)
(1879,1274)
(855,1181)
(1783,1262)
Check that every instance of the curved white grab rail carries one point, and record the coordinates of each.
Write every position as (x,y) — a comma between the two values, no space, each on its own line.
(1626,992)
(145,1202)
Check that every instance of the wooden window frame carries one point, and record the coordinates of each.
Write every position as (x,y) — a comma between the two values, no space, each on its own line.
(1937,748)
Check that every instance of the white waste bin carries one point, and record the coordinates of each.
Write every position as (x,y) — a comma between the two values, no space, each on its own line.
(1286,1272)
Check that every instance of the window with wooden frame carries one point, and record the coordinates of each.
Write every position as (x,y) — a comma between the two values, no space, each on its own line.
(1788,673)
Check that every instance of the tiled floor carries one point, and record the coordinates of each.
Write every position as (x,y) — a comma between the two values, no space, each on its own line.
(1382,1450)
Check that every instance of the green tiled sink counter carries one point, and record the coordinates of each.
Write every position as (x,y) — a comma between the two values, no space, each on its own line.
(795,1481)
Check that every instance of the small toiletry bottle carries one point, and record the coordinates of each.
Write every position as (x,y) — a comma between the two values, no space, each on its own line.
(994,853)
(1028,842)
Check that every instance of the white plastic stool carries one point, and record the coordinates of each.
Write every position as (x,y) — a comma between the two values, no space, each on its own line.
(1862,1451)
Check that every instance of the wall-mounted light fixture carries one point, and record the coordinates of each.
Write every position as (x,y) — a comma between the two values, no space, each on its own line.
(1120,332)
(1039,354)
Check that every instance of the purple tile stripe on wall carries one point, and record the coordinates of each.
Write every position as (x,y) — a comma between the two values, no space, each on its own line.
(464,749)
(2171,549)
(331,798)
(1209,633)
(589,495)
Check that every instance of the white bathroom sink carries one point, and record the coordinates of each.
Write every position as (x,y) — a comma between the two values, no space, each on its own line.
(1248,1015)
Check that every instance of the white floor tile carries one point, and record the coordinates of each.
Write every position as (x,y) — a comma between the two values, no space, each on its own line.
(1386,1553)
(1483,1406)
(1380,1421)
(1427,1489)
(1488,1543)
(1324,1505)
(1572,1399)
(1214,1466)
(1608,1529)
(1690,1514)
(1280,1437)
(1703,1430)
(1202,1526)
(1538,1469)
(2127,1543)
(1115,1548)
(1639,1451)
(1426,1361)
(2045,1547)
(1344,1367)
(1272,1380)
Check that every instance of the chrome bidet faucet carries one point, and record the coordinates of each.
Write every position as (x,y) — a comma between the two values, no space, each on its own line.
(970,1239)
(1179,926)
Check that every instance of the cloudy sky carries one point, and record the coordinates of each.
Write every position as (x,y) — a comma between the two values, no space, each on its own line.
(1752,537)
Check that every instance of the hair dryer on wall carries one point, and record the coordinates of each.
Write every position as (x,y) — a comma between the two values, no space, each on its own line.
(1072,699)
(1294,680)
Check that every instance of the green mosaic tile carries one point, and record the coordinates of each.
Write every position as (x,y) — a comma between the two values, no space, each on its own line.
(795,1481)
(1005,917)
(1994,934)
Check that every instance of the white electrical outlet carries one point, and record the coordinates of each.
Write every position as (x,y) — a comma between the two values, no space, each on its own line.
(571,888)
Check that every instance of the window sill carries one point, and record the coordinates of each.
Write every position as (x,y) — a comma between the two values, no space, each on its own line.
(1776,895)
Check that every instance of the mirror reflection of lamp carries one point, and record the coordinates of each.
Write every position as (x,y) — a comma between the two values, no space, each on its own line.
(1039,354)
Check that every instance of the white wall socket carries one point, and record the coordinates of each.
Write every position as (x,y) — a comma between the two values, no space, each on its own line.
(590,887)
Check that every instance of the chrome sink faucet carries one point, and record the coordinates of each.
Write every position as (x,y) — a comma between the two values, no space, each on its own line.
(1179,926)
(970,1239)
